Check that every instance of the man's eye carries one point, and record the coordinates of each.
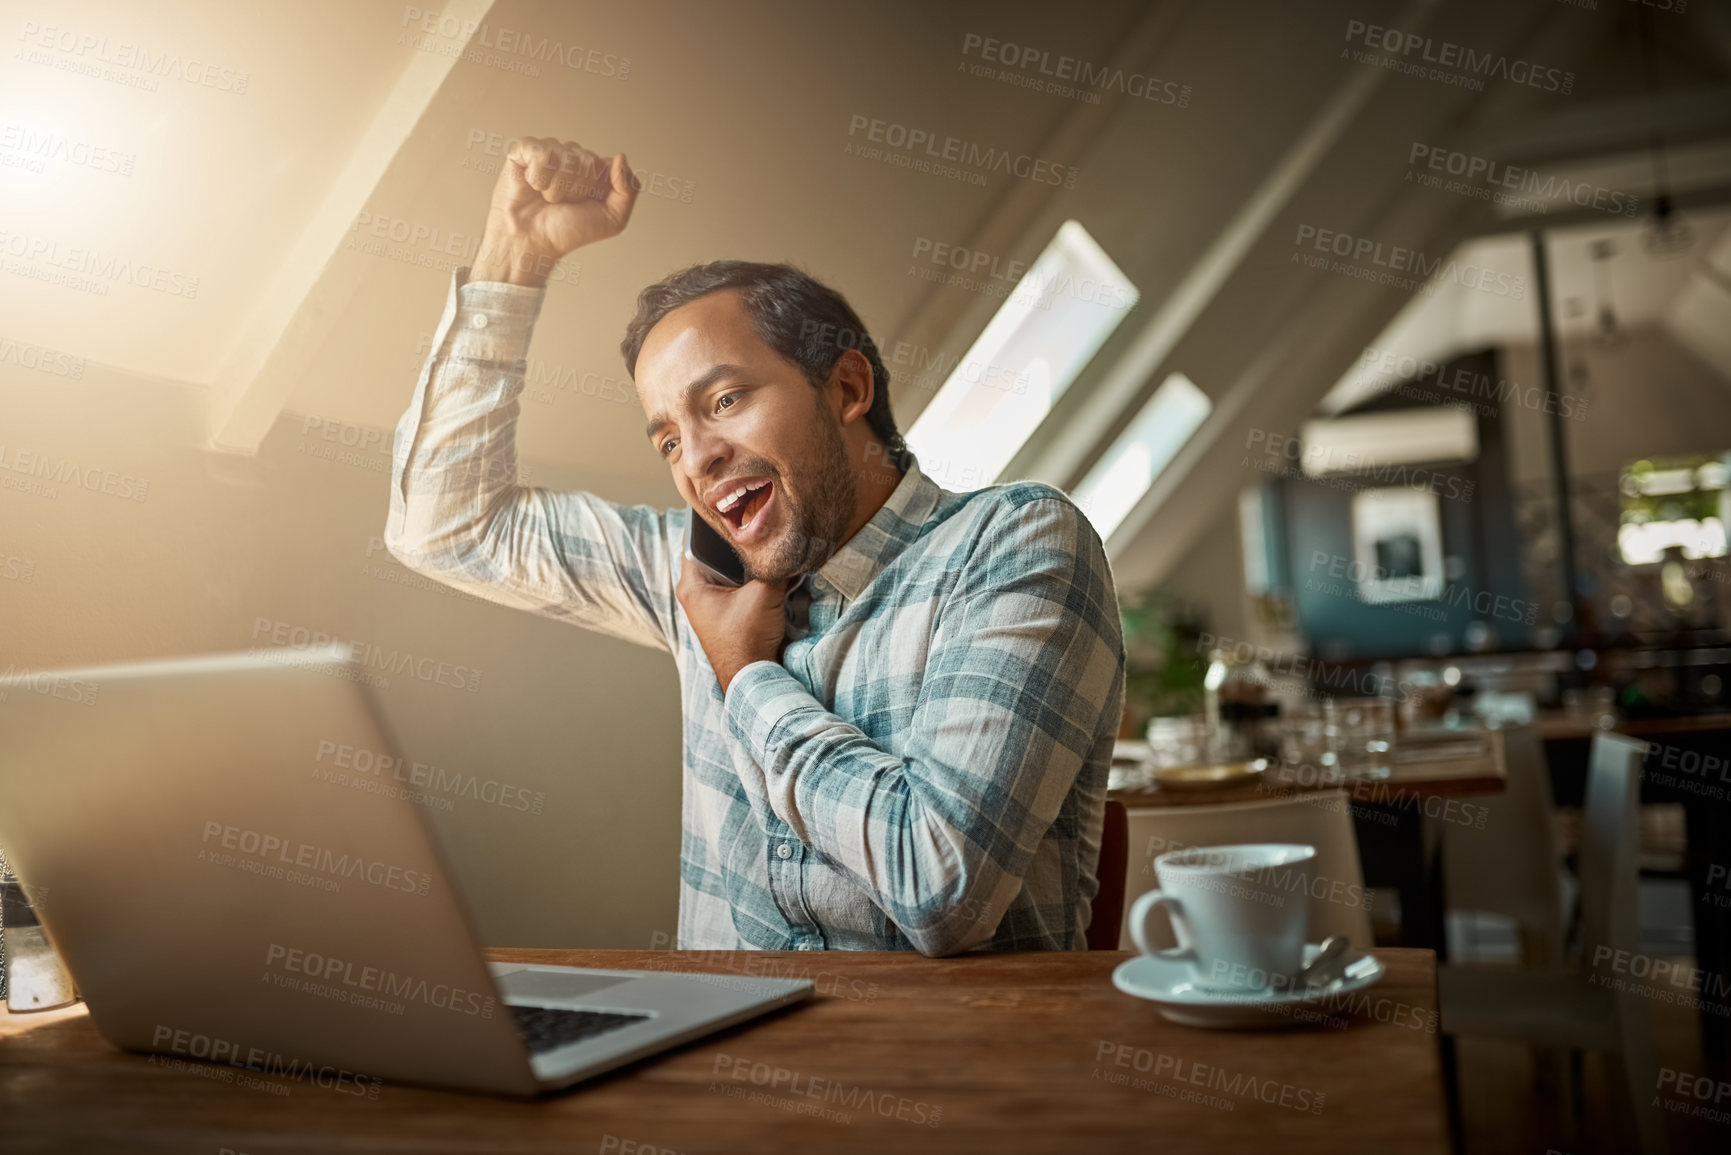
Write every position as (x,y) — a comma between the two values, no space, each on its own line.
(725,397)
(667,446)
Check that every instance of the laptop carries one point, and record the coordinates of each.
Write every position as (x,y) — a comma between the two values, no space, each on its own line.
(230,876)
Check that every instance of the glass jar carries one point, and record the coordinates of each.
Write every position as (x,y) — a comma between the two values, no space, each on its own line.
(1304,736)
(1234,692)
(36,980)
(1178,740)
(1361,735)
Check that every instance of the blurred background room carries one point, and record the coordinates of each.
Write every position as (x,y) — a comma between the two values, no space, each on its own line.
(1397,383)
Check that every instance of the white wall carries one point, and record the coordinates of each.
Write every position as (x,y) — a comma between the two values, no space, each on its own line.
(1647,396)
(220,543)
(1212,575)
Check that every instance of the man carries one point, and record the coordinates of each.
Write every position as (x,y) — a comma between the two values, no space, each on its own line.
(897,731)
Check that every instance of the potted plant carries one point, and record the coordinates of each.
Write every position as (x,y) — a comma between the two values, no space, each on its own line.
(1163,664)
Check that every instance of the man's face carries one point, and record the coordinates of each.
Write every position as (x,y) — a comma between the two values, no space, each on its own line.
(730,414)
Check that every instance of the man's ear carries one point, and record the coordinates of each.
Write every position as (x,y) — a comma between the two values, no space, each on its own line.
(852,375)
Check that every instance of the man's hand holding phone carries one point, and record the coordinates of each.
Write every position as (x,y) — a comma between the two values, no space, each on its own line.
(735,625)
(552,197)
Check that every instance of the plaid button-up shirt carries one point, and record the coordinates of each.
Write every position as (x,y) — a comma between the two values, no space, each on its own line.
(925,767)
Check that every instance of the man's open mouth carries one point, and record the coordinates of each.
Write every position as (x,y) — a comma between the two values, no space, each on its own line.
(742,503)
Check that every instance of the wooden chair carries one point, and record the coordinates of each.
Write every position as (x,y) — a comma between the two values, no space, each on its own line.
(1571,1009)
(1322,820)
(1114,861)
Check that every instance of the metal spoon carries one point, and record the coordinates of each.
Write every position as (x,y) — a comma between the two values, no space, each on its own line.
(1328,965)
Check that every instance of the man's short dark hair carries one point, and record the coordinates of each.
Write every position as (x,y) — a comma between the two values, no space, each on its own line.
(797,315)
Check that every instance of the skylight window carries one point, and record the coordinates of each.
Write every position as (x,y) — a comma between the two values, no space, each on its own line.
(1146,447)
(1056,319)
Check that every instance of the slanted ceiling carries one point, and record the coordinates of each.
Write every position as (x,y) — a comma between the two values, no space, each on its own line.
(1682,293)
(364,116)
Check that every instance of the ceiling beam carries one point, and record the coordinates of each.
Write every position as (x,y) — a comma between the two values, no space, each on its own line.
(309,290)
(1324,329)
(1025,216)
(1068,451)
(1695,200)
(1609,126)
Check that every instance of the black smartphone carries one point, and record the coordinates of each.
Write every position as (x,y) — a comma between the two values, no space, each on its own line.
(710,550)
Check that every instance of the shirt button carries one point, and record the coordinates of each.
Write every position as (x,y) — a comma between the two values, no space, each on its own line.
(784,851)
(479,320)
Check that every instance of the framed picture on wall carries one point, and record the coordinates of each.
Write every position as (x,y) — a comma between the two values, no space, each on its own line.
(1397,545)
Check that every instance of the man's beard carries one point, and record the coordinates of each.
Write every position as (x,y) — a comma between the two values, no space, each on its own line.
(819,517)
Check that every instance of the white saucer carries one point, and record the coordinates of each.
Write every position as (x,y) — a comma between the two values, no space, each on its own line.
(1169,986)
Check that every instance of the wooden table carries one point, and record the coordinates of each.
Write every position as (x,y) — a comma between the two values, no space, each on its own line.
(1412,776)
(1396,816)
(1000,1052)
(1556,725)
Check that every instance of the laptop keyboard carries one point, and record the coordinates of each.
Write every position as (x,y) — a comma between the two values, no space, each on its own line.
(545,1028)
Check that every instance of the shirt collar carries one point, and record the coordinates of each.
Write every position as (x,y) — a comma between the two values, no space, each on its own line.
(891,529)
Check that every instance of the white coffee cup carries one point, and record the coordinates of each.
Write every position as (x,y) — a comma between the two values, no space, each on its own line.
(1239,913)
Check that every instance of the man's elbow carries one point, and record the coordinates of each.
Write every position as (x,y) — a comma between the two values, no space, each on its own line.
(958,927)
(402,547)
(413,549)
(945,946)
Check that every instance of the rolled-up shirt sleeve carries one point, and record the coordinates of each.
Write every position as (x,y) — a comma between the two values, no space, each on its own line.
(459,514)
(1025,668)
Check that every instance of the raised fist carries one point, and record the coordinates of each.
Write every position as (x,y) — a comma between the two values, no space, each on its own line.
(551,197)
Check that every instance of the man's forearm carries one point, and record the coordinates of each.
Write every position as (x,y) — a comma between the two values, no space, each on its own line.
(458,511)
(449,467)
(459,515)
(904,826)
(1022,687)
